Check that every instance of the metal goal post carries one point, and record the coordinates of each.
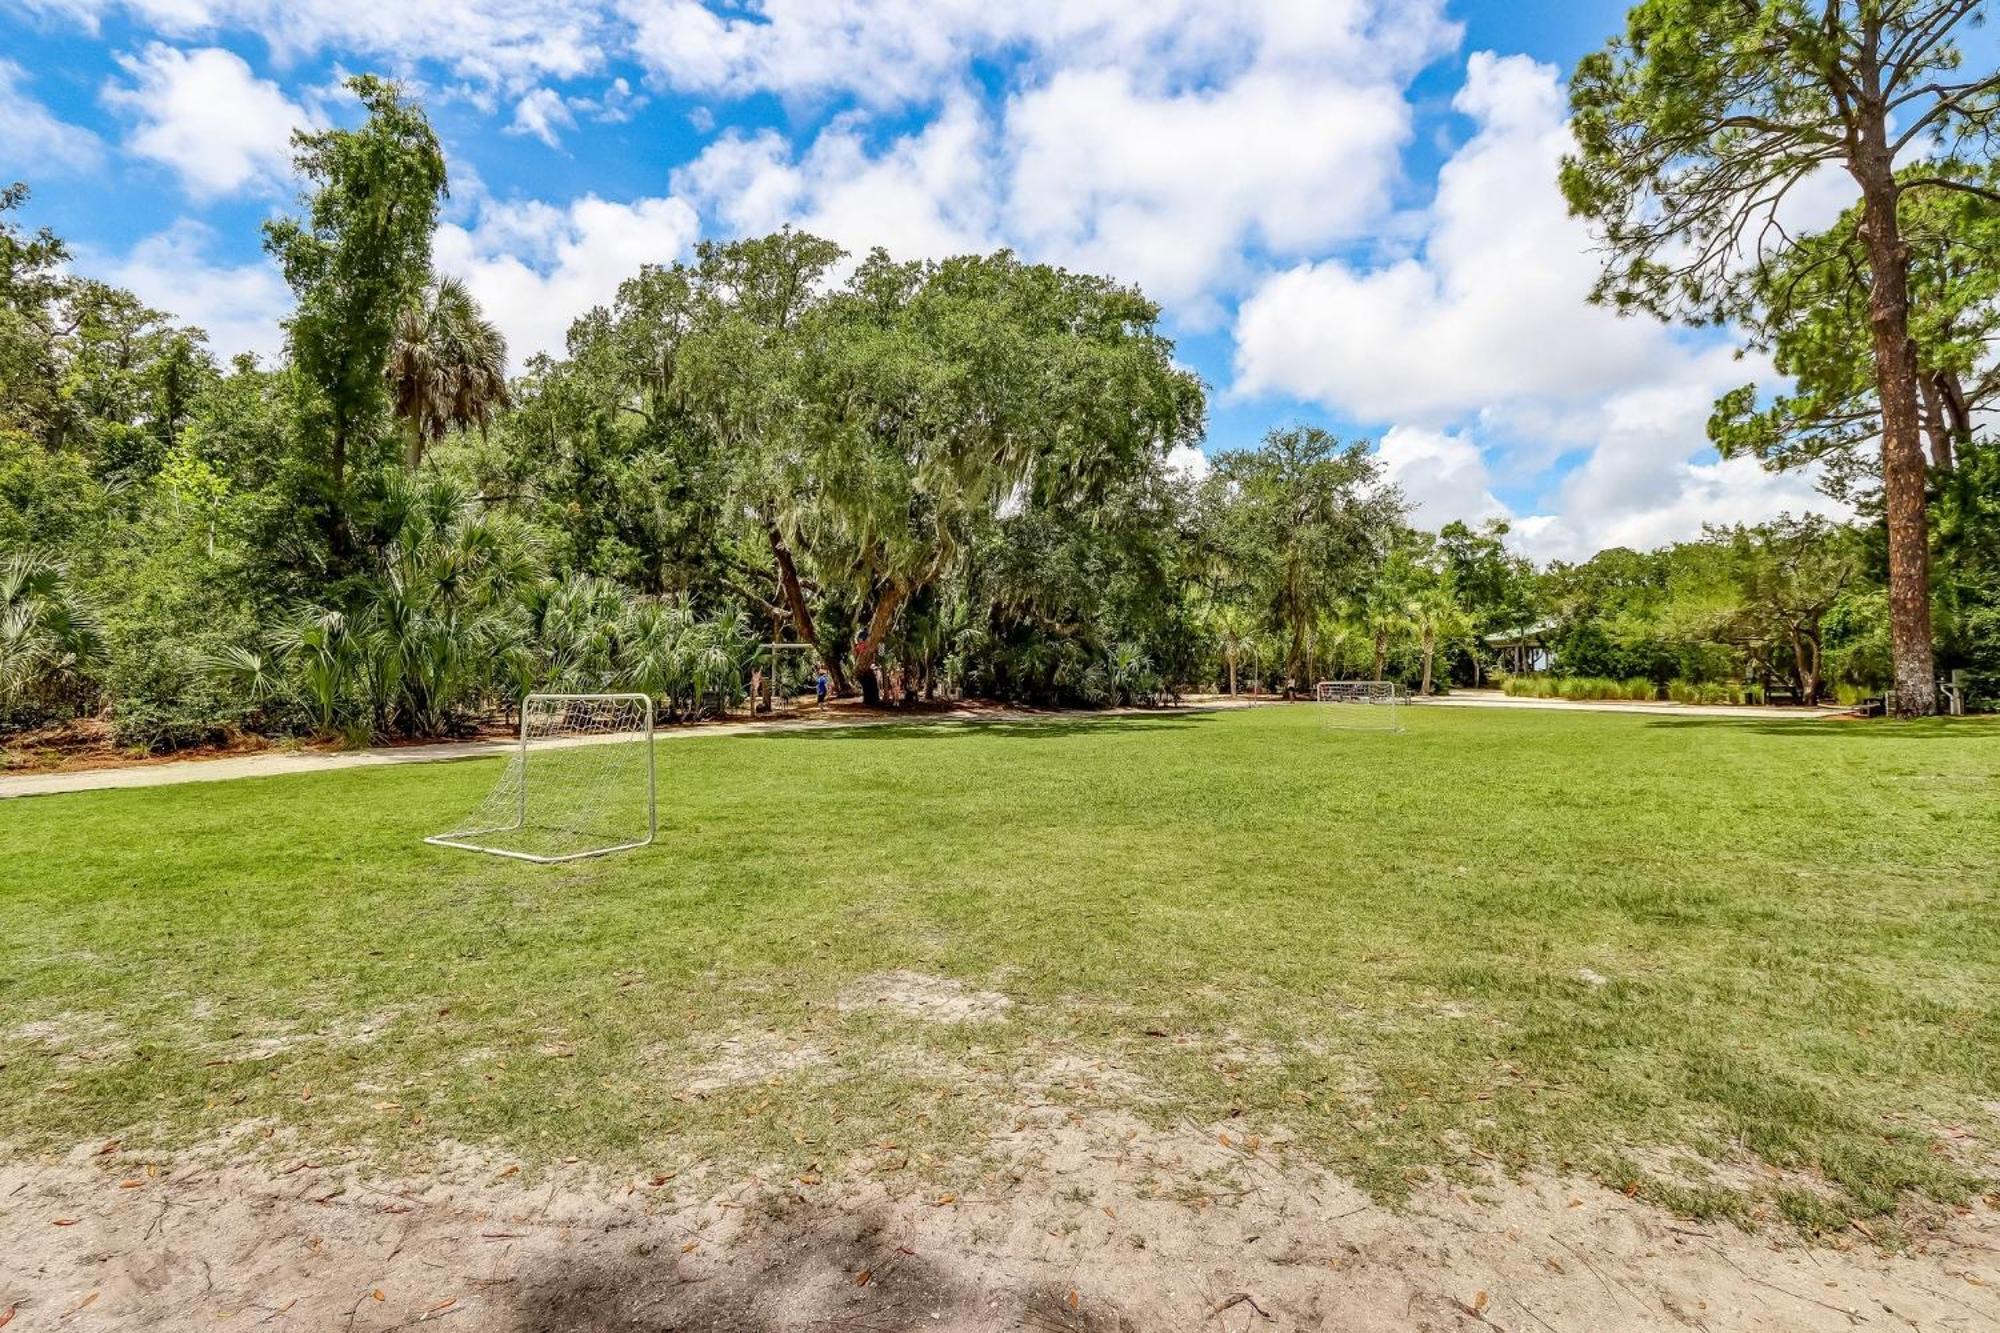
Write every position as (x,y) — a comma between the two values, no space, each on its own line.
(580,782)
(1377,702)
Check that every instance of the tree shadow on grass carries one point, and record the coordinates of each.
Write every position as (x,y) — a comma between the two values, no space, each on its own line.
(1874,729)
(1050,726)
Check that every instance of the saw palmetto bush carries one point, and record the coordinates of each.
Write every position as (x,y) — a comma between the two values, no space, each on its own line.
(674,655)
(420,643)
(1123,676)
(50,645)
(445,598)
(456,618)
(588,634)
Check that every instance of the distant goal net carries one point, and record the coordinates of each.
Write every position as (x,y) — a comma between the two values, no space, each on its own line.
(791,676)
(1376,704)
(579,783)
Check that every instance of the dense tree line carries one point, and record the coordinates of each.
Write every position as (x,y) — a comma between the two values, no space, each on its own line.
(944,477)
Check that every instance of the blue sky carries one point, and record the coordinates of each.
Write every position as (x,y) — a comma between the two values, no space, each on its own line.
(1345,207)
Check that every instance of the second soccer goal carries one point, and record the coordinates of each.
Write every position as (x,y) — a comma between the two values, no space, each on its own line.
(580,782)
(1361,703)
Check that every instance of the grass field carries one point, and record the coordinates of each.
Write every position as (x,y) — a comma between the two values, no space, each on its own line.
(1673,953)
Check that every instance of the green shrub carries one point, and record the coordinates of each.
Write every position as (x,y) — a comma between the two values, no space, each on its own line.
(167,698)
(1714,692)
(1579,687)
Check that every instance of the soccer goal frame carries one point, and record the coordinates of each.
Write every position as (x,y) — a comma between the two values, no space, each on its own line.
(511,794)
(1386,695)
(774,650)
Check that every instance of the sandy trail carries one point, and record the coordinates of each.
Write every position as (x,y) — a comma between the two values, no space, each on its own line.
(1089,1225)
(167,772)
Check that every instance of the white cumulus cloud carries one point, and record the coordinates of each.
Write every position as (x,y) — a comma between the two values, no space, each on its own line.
(508,42)
(1169,189)
(887,52)
(1648,478)
(240,306)
(1164,144)
(924,195)
(205,114)
(544,115)
(1483,356)
(535,266)
(1493,308)
(1442,474)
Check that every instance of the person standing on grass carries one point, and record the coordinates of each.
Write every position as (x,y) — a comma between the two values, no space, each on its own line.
(819,685)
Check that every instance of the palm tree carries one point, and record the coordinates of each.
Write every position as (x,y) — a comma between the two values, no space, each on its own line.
(1433,613)
(1336,634)
(1232,623)
(447,367)
(1379,612)
(49,641)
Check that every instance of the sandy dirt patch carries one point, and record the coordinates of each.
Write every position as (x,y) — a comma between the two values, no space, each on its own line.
(1089,1224)
(74,1038)
(751,1057)
(931,999)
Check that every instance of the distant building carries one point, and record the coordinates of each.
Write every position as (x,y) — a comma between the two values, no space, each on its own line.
(1524,651)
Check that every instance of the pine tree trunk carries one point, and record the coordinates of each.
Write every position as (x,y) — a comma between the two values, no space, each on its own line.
(1903,466)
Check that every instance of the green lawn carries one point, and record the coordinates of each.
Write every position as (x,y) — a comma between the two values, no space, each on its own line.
(1618,944)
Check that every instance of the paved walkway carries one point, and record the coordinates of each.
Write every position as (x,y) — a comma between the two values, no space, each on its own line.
(1756,713)
(273,763)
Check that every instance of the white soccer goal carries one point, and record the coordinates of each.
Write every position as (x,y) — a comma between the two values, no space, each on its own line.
(579,783)
(804,655)
(1362,703)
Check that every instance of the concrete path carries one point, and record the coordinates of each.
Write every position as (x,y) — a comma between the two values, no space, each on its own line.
(274,763)
(1745,712)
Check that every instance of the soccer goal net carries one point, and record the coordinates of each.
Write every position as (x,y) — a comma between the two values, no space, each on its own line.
(791,667)
(1364,703)
(579,783)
